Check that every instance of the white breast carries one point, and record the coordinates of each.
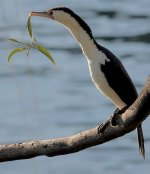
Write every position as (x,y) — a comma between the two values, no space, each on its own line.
(100,81)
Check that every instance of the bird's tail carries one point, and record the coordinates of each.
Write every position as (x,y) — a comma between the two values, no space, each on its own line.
(141,140)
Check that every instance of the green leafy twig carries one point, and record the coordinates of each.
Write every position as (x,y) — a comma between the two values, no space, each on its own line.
(29,26)
(16,50)
(27,46)
(45,52)
(14,40)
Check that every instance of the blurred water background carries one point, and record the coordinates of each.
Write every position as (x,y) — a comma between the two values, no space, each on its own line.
(40,101)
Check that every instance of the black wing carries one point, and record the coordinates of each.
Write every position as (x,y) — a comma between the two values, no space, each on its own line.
(118,78)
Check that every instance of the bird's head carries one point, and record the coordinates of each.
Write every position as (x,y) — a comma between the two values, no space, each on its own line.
(66,17)
(57,14)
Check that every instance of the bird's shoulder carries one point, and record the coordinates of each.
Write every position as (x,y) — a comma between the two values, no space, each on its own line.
(111,57)
(112,62)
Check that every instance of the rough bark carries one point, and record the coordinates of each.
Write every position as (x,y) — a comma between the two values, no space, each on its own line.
(128,121)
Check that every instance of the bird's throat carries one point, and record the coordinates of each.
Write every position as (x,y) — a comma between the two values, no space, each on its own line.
(85,41)
(83,36)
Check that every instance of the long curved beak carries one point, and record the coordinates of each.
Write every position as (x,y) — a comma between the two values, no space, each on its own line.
(42,14)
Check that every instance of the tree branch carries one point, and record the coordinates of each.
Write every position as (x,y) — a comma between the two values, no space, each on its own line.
(128,121)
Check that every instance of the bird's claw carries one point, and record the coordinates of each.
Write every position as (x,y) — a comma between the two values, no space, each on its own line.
(103,126)
(113,120)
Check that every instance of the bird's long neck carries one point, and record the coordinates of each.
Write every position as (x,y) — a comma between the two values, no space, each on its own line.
(88,45)
(84,39)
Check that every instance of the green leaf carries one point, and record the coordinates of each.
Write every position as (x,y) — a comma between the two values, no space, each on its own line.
(45,52)
(29,26)
(14,40)
(16,50)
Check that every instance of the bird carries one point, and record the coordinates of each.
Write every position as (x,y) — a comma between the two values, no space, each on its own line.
(106,70)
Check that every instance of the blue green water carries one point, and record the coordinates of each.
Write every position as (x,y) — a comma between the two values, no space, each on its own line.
(40,101)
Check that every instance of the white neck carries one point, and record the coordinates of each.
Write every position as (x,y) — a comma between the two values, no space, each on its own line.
(83,39)
(87,45)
